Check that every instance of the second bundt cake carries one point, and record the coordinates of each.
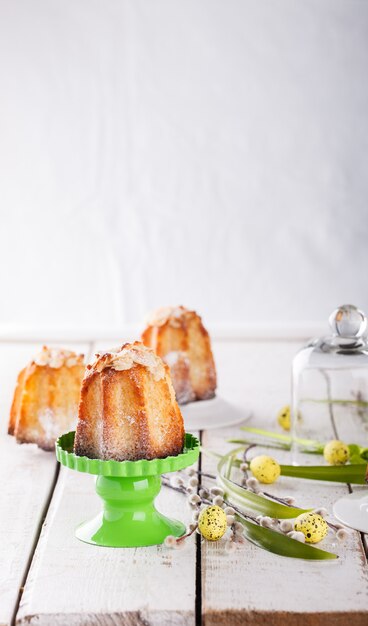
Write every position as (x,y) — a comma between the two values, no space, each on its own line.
(46,397)
(127,409)
(178,336)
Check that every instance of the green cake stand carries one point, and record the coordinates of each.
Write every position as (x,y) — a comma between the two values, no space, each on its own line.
(128,490)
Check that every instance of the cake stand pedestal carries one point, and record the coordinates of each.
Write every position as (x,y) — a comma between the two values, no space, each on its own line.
(128,490)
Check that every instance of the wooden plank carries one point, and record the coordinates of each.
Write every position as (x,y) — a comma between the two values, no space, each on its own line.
(27,476)
(78,584)
(252,586)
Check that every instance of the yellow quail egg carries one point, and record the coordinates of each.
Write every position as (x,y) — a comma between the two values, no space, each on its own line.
(283,417)
(265,469)
(212,523)
(313,527)
(336,452)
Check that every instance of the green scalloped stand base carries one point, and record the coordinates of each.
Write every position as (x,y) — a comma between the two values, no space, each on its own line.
(129,517)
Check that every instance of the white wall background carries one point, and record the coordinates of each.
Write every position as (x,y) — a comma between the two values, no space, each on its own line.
(210,153)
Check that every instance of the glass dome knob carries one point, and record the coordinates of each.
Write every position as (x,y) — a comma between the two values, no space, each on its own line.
(348,321)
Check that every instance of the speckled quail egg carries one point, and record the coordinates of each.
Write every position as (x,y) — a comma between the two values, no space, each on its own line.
(336,452)
(313,527)
(283,417)
(212,523)
(265,469)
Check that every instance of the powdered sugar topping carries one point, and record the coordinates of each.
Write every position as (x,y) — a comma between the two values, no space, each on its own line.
(127,356)
(173,357)
(55,421)
(168,314)
(57,357)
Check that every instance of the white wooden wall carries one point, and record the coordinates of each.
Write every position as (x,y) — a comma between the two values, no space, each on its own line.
(201,152)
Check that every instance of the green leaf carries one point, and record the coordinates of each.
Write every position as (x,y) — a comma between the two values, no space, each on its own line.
(267,433)
(264,444)
(356,459)
(354,449)
(246,500)
(340,474)
(308,444)
(210,453)
(265,538)
(275,542)
(336,401)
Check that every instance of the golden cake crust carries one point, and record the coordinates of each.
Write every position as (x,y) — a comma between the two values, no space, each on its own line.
(127,409)
(46,397)
(178,336)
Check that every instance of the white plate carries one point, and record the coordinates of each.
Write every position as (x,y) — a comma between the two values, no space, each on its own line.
(352,510)
(215,413)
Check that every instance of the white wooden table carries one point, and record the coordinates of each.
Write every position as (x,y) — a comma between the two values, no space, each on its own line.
(49,578)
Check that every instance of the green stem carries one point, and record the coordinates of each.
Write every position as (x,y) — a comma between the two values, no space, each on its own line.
(229,466)
(286,439)
(267,444)
(210,453)
(353,402)
(341,474)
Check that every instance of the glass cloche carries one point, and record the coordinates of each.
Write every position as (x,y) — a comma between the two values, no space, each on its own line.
(330,385)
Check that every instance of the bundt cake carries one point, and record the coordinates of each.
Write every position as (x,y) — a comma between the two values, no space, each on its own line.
(127,409)
(46,397)
(178,336)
